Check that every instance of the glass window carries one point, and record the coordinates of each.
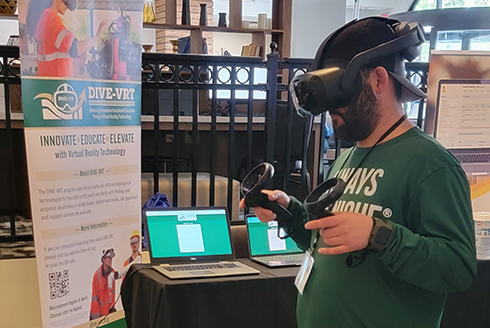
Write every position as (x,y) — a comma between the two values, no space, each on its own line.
(476,40)
(449,40)
(481,43)
(465,3)
(432,4)
(426,4)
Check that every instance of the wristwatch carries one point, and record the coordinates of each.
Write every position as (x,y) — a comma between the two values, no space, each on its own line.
(380,235)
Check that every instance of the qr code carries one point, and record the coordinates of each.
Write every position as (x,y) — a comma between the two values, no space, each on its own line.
(59,284)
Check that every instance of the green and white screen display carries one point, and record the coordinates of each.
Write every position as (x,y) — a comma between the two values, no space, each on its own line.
(264,240)
(189,232)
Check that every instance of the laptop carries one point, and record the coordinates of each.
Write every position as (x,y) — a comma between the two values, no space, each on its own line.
(267,248)
(462,122)
(192,242)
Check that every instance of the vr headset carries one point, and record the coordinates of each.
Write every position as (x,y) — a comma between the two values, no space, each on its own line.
(70,4)
(339,82)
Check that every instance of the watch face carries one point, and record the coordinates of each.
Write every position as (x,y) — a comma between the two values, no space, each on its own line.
(383,236)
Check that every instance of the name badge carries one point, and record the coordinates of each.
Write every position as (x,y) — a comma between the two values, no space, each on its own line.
(304,272)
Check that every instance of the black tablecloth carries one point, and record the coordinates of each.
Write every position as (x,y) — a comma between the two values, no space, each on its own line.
(470,308)
(265,300)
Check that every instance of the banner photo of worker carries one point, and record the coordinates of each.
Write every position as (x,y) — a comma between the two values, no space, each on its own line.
(81,94)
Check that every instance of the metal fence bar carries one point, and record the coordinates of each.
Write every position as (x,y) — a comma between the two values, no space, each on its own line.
(271,103)
(175,138)
(231,145)
(289,135)
(10,147)
(418,74)
(156,141)
(214,139)
(250,116)
(194,136)
(321,173)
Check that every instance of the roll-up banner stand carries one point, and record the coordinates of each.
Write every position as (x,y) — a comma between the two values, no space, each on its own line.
(81,94)
(458,114)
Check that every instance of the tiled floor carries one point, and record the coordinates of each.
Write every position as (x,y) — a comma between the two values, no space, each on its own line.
(19,249)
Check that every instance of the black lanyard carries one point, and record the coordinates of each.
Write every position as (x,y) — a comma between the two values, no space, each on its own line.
(349,260)
(383,137)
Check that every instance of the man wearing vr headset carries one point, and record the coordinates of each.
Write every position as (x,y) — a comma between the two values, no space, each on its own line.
(57,46)
(401,235)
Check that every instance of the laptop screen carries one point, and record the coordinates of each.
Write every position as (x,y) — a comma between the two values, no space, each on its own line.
(188,233)
(264,240)
(463,114)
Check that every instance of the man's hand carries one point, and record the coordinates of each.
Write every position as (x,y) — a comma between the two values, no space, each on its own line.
(264,214)
(343,232)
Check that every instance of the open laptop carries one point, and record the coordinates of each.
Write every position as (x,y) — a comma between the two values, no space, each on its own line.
(267,248)
(462,122)
(192,242)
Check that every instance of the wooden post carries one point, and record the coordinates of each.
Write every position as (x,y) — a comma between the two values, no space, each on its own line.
(196,41)
(235,15)
(258,39)
(281,19)
(170,11)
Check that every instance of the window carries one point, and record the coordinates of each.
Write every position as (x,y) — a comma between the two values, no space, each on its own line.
(425,4)
(465,3)
(432,4)
(476,40)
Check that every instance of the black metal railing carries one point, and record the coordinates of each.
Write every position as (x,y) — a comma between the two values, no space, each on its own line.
(215,109)
(418,73)
(205,77)
(11,159)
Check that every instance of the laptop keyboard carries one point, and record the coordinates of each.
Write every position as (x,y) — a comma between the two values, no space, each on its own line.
(284,258)
(473,158)
(200,267)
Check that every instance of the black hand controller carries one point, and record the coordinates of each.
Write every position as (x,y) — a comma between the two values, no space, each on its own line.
(251,189)
(319,202)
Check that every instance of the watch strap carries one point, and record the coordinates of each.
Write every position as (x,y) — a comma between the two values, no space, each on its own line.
(380,235)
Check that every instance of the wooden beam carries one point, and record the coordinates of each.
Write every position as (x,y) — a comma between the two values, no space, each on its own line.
(235,13)
(170,11)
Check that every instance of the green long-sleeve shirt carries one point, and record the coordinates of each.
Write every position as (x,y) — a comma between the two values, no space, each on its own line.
(418,186)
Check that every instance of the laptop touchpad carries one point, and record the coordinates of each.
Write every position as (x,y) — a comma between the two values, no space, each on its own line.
(200,273)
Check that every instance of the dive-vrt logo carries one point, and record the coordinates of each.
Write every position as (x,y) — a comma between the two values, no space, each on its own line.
(64,104)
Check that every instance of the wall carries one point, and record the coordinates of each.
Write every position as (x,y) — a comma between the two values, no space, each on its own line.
(20,305)
(163,36)
(233,42)
(9,27)
(312,22)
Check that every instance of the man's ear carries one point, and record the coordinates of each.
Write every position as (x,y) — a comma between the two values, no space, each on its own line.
(380,80)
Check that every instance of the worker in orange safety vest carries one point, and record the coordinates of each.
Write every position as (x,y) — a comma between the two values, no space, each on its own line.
(57,46)
(103,287)
(134,242)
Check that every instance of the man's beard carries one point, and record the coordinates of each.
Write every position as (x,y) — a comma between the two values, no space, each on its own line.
(360,118)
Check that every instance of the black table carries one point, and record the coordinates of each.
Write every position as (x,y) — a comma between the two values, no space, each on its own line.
(265,300)
(470,308)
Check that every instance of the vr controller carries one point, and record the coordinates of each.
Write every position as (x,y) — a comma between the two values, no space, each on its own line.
(251,189)
(318,203)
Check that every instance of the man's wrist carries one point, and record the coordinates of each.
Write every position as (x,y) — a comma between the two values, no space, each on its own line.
(380,236)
